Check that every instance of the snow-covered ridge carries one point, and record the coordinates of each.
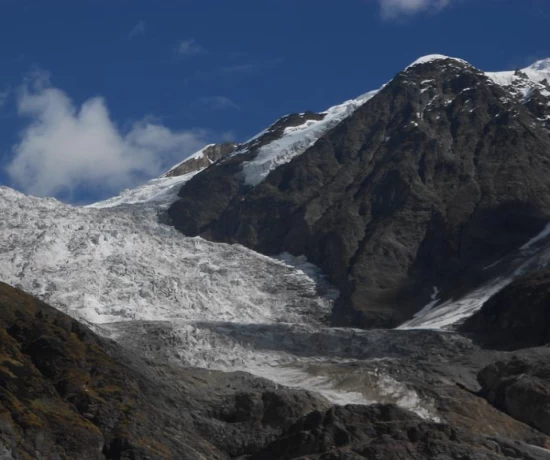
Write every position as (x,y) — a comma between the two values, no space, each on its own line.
(541,66)
(525,81)
(297,139)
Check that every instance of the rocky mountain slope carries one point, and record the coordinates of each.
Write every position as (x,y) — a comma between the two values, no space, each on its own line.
(434,177)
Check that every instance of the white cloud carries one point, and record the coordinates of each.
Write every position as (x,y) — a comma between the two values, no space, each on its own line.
(189,48)
(65,149)
(395,8)
(138,29)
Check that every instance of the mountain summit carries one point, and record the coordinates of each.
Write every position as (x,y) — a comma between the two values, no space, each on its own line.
(423,183)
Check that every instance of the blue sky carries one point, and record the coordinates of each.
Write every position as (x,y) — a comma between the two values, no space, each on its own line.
(98,95)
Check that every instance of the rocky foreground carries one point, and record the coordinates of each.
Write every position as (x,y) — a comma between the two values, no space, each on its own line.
(67,393)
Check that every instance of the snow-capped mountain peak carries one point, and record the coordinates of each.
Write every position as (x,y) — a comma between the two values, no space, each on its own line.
(435,57)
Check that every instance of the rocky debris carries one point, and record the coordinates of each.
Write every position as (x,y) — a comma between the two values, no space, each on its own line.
(516,317)
(431,373)
(520,386)
(440,174)
(207,156)
(385,432)
(444,390)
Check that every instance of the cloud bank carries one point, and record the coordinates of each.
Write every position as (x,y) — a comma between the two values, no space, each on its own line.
(395,8)
(65,149)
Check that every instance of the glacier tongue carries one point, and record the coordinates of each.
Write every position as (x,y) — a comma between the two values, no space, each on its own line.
(212,305)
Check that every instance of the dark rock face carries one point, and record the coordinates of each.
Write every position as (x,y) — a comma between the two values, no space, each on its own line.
(516,317)
(209,156)
(520,386)
(384,432)
(441,173)
(63,396)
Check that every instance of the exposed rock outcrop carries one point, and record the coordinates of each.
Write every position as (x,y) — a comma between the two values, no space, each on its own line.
(520,386)
(385,432)
(516,317)
(207,156)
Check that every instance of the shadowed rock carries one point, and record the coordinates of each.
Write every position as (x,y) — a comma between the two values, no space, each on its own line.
(516,317)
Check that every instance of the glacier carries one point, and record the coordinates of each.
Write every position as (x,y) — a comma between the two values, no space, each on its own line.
(118,268)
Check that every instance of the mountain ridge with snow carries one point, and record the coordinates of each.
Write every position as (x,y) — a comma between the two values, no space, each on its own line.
(118,266)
